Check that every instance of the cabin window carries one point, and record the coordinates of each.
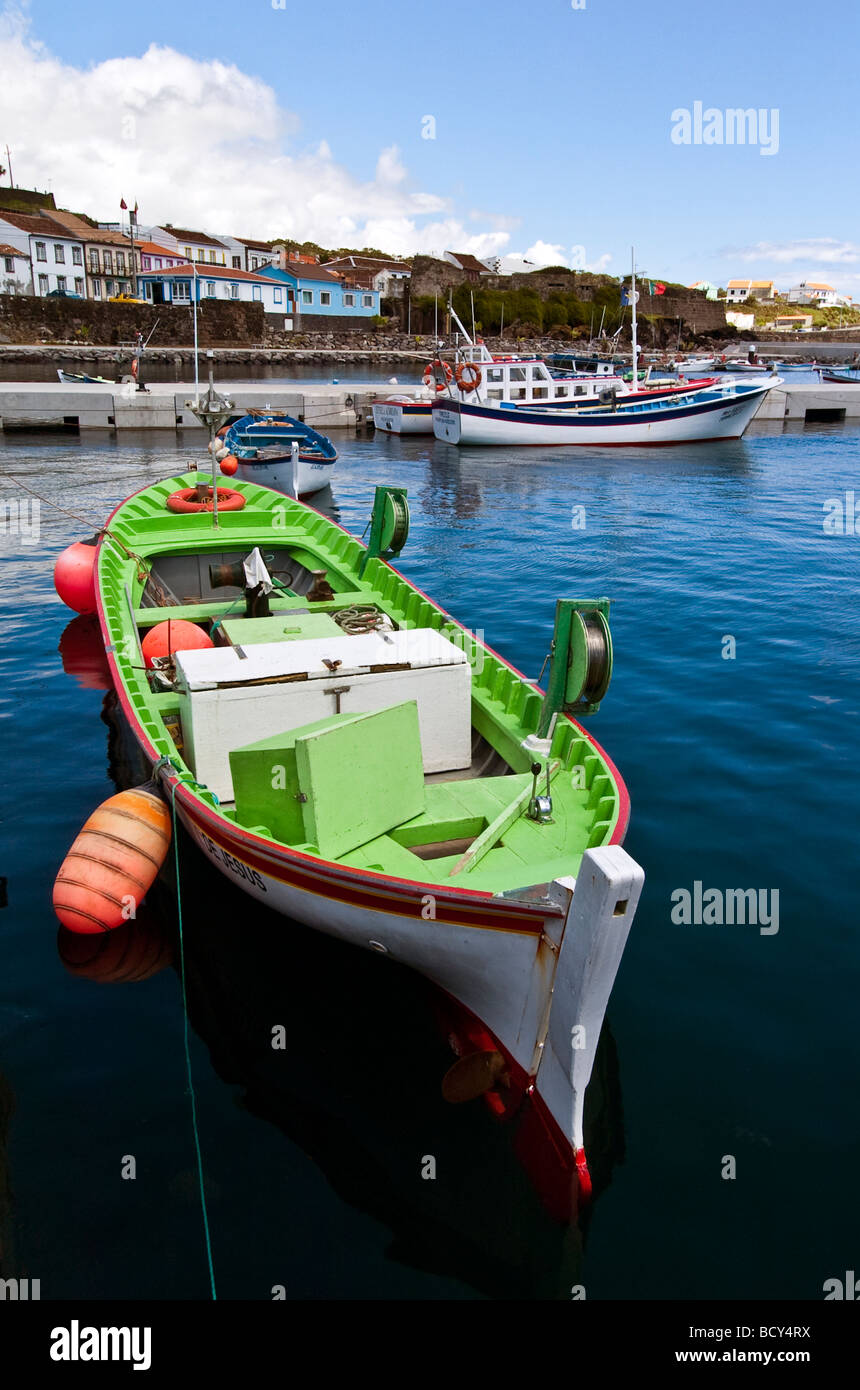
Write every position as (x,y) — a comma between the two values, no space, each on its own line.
(77,256)
(561,390)
(349,301)
(307,296)
(41,251)
(325,297)
(538,373)
(495,374)
(59,255)
(580,390)
(495,395)
(540,393)
(518,393)
(518,373)
(43,284)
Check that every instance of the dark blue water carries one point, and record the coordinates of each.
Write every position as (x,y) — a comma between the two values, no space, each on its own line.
(724,1041)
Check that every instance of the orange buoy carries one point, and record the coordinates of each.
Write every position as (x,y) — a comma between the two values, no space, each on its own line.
(229,465)
(82,651)
(174,635)
(75,576)
(135,951)
(113,862)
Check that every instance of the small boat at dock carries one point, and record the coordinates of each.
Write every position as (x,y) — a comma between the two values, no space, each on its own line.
(278,451)
(83,379)
(344,751)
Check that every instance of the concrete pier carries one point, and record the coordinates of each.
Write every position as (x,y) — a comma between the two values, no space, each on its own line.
(52,405)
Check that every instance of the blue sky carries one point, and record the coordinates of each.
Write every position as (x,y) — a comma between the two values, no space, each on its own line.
(552,125)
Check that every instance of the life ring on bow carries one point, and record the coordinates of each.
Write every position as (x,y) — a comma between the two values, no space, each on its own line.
(468,376)
(430,378)
(186,500)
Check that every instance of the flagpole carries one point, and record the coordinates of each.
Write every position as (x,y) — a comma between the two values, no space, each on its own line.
(196,366)
(635,383)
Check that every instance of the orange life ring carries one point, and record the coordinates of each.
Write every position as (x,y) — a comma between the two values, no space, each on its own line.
(475,376)
(429,377)
(186,501)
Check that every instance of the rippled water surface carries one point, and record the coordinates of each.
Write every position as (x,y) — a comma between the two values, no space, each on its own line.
(724,1041)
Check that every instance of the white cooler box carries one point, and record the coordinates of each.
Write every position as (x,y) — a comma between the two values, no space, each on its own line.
(228,699)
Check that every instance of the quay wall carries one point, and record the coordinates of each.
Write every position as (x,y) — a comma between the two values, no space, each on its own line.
(30,319)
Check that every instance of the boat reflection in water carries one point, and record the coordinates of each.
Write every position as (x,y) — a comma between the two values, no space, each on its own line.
(357,1083)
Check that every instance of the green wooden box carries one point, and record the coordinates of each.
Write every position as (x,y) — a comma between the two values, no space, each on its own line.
(336,783)
(280,627)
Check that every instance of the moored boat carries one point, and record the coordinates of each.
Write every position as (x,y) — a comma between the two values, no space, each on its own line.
(278,451)
(345,752)
(685,416)
(83,379)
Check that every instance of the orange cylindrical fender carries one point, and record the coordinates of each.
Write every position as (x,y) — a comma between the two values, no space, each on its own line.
(113,862)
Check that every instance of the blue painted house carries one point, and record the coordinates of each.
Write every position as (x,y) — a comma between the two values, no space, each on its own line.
(316,298)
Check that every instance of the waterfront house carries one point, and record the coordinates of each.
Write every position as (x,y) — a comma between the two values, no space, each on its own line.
(791,322)
(818,293)
(247,254)
(372,273)
(181,283)
(56,256)
(198,247)
(110,267)
(155,257)
(739,290)
(314,297)
(707,288)
(14,270)
(472,268)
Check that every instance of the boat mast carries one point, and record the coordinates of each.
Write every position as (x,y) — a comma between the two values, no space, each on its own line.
(635,382)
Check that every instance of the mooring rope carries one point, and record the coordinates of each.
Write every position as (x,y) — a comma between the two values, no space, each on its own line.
(168,762)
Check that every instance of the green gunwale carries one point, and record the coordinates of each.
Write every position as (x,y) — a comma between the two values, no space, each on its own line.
(505,707)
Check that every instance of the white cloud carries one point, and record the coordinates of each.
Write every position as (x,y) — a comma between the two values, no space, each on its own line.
(815,250)
(544,253)
(202,144)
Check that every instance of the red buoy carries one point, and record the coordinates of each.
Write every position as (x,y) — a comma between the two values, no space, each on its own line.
(229,465)
(75,576)
(113,862)
(174,635)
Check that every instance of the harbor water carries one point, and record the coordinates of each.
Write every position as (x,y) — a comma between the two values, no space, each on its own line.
(723,1126)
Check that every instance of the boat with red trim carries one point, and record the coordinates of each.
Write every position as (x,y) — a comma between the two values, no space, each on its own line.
(347,753)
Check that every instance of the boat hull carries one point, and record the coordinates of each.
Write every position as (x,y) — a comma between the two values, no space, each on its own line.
(724,417)
(398,417)
(312,474)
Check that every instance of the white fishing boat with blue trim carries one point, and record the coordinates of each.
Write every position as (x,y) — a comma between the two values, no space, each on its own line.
(277,451)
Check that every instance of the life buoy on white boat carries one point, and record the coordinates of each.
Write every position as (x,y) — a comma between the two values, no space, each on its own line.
(468,376)
(430,377)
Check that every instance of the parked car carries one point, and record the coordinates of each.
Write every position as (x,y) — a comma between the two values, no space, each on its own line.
(125,299)
(62,294)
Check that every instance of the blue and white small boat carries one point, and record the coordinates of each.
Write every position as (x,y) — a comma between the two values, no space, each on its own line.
(279,452)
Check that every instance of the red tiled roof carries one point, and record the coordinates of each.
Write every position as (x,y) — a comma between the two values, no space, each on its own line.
(186,271)
(467,261)
(302,270)
(195,238)
(6,250)
(39,226)
(255,245)
(149,248)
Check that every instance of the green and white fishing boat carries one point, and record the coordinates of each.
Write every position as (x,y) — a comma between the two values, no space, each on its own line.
(347,753)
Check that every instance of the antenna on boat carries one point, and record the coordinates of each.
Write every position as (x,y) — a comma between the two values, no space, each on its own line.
(212,410)
(635,381)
